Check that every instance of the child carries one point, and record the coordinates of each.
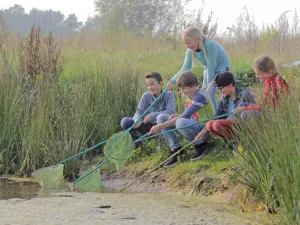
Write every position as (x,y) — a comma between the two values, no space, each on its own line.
(212,56)
(198,107)
(166,104)
(232,97)
(275,86)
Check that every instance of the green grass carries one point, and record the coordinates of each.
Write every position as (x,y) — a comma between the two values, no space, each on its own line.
(102,81)
(269,165)
(218,161)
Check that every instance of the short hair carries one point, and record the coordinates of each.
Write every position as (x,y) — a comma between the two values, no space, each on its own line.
(187,79)
(223,79)
(156,75)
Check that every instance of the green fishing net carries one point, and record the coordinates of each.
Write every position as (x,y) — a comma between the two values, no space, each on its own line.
(119,148)
(92,182)
(50,177)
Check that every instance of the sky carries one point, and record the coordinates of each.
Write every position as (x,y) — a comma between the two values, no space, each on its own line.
(225,11)
(264,11)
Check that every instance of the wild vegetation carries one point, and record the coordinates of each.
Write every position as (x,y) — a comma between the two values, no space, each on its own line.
(61,95)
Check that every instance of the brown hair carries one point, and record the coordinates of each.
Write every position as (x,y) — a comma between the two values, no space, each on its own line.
(187,79)
(265,64)
(157,76)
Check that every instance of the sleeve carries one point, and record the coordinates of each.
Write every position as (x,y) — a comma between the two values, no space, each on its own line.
(170,108)
(212,53)
(198,102)
(141,108)
(187,65)
(253,107)
(220,109)
(249,98)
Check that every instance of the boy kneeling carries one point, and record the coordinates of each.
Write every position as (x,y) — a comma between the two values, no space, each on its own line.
(198,107)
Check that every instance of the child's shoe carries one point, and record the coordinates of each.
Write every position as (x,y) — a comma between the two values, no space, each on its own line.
(200,151)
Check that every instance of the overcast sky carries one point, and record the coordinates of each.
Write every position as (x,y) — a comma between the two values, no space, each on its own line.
(264,11)
(226,11)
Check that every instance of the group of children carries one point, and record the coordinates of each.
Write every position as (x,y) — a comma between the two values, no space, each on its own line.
(235,103)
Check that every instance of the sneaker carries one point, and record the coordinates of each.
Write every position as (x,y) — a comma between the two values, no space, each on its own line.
(138,144)
(173,160)
(199,152)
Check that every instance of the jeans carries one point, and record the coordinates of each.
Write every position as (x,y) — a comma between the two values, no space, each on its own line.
(248,114)
(189,133)
(136,133)
(211,89)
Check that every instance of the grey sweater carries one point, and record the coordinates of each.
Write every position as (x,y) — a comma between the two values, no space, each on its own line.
(166,104)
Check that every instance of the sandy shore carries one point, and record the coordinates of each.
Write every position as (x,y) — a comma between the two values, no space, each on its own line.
(121,208)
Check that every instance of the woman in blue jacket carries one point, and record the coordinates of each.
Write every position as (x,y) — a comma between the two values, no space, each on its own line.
(212,56)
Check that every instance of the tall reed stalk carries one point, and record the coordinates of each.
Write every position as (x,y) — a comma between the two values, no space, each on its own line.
(269,164)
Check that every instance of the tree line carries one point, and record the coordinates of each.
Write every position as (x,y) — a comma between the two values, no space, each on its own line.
(138,16)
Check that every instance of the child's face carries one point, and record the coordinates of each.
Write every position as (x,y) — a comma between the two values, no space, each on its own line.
(189,91)
(226,90)
(154,86)
(262,75)
(192,44)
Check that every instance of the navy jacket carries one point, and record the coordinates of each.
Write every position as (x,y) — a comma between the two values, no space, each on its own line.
(242,95)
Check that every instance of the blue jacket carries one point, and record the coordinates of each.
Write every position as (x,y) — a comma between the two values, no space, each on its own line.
(166,104)
(217,57)
(242,95)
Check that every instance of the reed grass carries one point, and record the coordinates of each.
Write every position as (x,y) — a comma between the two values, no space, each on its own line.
(269,164)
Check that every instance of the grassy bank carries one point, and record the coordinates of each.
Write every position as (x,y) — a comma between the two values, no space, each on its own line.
(100,79)
(269,165)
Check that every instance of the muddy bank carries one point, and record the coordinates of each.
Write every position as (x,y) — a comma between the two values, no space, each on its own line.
(212,189)
(163,181)
(121,208)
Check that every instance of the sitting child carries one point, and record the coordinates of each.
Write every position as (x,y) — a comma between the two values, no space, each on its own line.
(166,104)
(275,86)
(198,107)
(232,97)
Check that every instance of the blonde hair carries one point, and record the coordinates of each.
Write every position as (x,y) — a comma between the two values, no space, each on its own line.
(265,64)
(187,79)
(194,33)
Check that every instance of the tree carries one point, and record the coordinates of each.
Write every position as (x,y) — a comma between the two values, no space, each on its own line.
(16,19)
(156,16)
(195,18)
(92,24)
(72,24)
(47,20)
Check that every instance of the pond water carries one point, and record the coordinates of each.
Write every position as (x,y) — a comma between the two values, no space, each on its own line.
(13,189)
(28,203)
(22,188)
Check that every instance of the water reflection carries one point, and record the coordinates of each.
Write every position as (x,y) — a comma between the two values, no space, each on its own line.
(12,189)
(27,189)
